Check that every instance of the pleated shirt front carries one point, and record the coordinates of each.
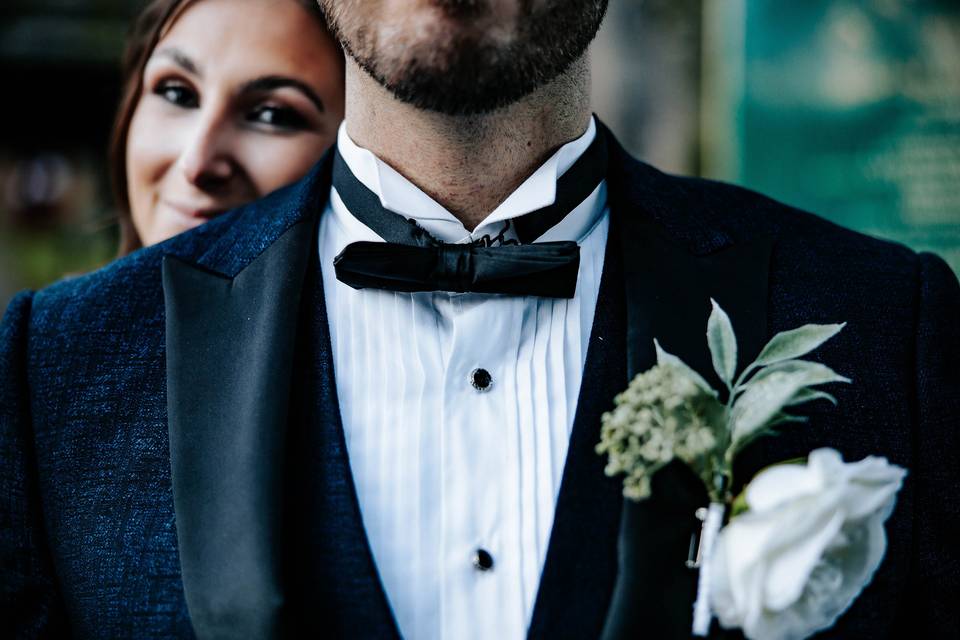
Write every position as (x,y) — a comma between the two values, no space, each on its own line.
(446,471)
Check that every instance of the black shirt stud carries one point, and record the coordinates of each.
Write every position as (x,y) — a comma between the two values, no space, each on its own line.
(480,379)
(482,560)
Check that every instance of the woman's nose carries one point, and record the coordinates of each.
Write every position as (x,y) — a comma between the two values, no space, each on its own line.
(206,161)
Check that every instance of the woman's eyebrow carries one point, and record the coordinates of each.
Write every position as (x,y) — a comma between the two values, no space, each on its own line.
(179,58)
(269,83)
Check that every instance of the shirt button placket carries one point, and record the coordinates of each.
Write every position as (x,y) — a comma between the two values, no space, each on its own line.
(472,444)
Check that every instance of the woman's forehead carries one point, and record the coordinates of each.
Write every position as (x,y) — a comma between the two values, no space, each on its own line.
(248,36)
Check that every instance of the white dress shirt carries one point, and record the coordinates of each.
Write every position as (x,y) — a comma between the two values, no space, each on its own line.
(442,469)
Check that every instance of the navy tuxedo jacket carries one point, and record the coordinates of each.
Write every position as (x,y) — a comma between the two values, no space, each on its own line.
(172,462)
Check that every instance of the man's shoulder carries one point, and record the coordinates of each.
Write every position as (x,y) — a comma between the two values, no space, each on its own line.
(739,213)
(817,269)
(748,212)
(129,289)
(95,301)
(815,255)
(124,291)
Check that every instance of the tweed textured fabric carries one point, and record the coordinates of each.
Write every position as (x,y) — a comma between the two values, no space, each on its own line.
(88,532)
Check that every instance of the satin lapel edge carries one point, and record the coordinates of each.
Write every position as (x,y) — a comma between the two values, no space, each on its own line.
(580,564)
(668,291)
(229,351)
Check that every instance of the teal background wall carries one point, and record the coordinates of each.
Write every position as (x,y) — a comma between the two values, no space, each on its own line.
(848,109)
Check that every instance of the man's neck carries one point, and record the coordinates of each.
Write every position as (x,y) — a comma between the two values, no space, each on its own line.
(469,164)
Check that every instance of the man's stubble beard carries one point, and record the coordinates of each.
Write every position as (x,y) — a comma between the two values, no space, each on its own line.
(467,72)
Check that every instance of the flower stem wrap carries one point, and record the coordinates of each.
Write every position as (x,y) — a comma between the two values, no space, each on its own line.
(708,538)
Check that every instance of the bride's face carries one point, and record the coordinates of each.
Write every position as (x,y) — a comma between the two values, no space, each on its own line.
(238,99)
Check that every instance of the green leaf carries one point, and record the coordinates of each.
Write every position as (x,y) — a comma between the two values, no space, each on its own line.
(784,418)
(766,430)
(812,373)
(722,343)
(741,444)
(796,342)
(766,395)
(664,357)
(809,395)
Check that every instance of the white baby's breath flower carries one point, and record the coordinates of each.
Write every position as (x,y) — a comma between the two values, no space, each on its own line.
(662,415)
(809,543)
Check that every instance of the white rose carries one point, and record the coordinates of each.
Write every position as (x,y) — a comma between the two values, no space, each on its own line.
(809,544)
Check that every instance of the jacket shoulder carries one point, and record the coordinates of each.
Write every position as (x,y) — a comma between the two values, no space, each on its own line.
(812,253)
(224,244)
(813,262)
(706,215)
(102,297)
(747,210)
(741,213)
(115,290)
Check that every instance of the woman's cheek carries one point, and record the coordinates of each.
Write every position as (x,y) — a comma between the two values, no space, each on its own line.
(153,143)
(283,161)
(141,160)
(142,137)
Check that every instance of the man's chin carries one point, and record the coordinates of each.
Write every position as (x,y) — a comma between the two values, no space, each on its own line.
(458,87)
(453,102)
(432,58)
(462,10)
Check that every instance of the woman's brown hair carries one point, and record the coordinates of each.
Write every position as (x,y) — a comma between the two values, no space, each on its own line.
(147,30)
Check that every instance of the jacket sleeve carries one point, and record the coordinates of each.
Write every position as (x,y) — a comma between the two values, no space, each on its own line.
(936,470)
(28,593)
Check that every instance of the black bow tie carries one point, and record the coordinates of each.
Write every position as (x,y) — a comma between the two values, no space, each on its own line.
(413,260)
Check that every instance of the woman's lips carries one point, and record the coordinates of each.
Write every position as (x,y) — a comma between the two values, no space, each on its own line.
(195,212)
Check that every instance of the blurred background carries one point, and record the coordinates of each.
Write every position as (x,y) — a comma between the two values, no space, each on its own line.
(850,109)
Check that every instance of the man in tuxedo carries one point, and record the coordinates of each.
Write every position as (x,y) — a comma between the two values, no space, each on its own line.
(367,405)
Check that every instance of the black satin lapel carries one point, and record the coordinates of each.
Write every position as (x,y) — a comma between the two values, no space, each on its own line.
(581,562)
(229,349)
(335,588)
(668,298)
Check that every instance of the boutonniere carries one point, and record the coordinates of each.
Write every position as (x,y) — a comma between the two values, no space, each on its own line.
(788,555)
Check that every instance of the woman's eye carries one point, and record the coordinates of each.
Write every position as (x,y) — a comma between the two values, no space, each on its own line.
(178,94)
(278,117)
